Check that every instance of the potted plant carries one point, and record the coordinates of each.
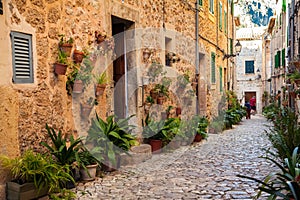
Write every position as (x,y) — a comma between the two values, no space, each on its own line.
(61,65)
(65,150)
(79,55)
(109,138)
(101,83)
(162,92)
(201,131)
(34,175)
(66,45)
(295,77)
(178,110)
(156,133)
(168,111)
(148,103)
(88,165)
(100,36)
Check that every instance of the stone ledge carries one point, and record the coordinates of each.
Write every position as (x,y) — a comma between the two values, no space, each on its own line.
(137,154)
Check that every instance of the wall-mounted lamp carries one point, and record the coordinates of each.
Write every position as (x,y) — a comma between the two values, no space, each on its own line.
(1,7)
(237,47)
(257,71)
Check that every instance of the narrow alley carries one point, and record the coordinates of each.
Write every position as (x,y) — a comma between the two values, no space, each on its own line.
(203,171)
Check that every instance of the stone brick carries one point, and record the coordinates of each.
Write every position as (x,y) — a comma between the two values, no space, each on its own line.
(36,19)
(53,15)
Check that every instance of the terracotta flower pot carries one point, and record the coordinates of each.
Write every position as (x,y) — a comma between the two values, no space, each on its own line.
(178,111)
(78,56)
(198,138)
(160,100)
(156,145)
(60,69)
(100,88)
(89,173)
(66,48)
(78,86)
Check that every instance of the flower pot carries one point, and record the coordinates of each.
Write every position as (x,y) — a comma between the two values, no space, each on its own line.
(160,100)
(15,191)
(153,94)
(198,138)
(86,110)
(66,48)
(100,89)
(60,69)
(78,56)
(178,111)
(156,145)
(89,173)
(78,86)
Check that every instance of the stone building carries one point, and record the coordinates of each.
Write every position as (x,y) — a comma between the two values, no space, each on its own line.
(249,65)
(33,95)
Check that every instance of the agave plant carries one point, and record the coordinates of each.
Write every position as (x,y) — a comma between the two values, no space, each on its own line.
(65,154)
(284,184)
(111,136)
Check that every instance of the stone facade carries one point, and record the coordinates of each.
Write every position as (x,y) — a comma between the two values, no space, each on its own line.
(28,107)
(249,81)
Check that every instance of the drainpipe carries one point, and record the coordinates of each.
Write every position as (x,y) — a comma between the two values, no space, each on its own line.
(197,37)
(126,74)
(197,51)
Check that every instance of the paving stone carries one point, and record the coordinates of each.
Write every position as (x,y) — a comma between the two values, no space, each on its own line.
(202,171)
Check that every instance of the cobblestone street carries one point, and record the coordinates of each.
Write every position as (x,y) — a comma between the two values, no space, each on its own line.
(202,171)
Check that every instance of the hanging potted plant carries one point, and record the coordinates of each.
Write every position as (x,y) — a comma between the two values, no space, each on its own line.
(61,65)
(66,45)
(148,104)
(101,83)
(79,55)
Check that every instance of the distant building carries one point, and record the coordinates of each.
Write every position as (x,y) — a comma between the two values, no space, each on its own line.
(249,77)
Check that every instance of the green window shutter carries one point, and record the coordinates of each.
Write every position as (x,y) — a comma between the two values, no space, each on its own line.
(213,67)
(220,16)
(279,60)
(225,22)
(231,46)
(200,3)
(221,79)
(284,5)
(249,66)
(22,57)
(232,8)
(283,57)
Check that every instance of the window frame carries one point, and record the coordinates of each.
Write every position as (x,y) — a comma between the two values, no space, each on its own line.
(246,67)
(220,16)
(23,36)
(211,7)
(213,67)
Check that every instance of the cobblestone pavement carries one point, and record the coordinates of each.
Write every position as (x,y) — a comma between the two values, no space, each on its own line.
(206,170)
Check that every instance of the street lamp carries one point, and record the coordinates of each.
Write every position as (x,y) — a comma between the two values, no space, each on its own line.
(237,47)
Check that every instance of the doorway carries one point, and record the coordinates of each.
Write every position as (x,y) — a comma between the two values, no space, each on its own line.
(249,95)
(120,66)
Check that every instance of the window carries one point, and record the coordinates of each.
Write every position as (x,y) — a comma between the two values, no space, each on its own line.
(200,2)
(283,57)
(231,46)
(277,59)
(22,57)
(221,79)
(213,67)
(211,6)
(220,16)
(225,21)
(249,66)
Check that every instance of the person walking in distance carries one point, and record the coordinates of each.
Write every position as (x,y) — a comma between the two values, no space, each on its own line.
(248,109)
(253,104)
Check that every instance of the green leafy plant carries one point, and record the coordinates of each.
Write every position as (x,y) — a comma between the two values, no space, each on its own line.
(107,135)
(65,154)
(149,99)
(277,184)
(102,78)
(63,40)
(156,130)
(62,57)
(40,169)
(294,76)
(162,90)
